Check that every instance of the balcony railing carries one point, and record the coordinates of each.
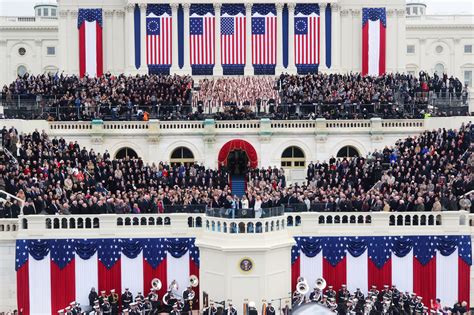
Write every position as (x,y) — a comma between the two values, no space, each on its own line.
(190,224)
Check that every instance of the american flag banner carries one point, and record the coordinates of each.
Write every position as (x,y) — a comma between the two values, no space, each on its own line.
(53,273)
(264,36)
(233,36)
(374,24)
(158,34)
(89,24)
(202,36)
(307,37)
(431,266)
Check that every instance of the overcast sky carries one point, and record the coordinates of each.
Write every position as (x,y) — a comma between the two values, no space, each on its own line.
(25,7)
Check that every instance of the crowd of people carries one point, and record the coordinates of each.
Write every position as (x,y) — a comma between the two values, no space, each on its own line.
(142,97)
(238,91)
(357,89)
(429,172)
(390,301)
(68,97)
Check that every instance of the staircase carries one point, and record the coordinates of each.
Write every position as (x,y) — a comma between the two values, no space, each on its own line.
(238,185)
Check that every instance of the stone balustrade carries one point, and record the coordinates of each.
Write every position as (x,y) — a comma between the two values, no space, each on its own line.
(182,224)
(318,125)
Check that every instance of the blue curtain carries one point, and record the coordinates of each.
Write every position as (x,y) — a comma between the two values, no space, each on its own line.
(131,247)
(356,246)
(85,248)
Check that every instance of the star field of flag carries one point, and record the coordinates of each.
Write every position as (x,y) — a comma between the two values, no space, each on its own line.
(374,14)
(89,15)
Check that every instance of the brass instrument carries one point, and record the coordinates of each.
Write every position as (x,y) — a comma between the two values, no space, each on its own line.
(320,283)
(156,284)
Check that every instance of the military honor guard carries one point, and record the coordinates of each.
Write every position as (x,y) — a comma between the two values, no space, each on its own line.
(343,294)
(270,309)
(139,296)
(126,299)
(154,300)
(102,298)
(230,310)
(114,300)
(330,292)
(316,295)
(106,307)
(175,310)
(210,310)
(188,297)
(147,307)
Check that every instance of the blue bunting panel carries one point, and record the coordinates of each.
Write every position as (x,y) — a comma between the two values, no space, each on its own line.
(109,251)
(380,248)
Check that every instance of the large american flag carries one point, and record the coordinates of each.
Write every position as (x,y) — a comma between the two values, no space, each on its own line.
(51,273)
(202,34)
(158,39)
(264,37)
(233,30)
(432,266)
(307,37)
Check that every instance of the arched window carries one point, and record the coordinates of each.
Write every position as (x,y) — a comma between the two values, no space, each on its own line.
(21,71)
(293,157)
(439,69)
(126,152)
(347,151)
(182,155)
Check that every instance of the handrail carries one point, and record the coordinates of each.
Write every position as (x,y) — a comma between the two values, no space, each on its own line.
(468,193)
(10,156)
(21,201)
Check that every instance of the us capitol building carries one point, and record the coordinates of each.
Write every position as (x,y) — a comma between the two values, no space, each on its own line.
(48,41)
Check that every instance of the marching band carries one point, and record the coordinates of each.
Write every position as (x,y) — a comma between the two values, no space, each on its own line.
(389,301)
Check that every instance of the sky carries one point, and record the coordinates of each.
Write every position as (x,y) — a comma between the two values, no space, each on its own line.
(25,7)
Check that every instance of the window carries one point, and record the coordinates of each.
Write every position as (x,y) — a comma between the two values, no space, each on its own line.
(468,49)
(408,11)
(51,51)
(126,153)
(21,71)
(410,49)
(415,10)
(293,157)
(439,49)
(439,69)
(421,11)
(347,151)
(182,155)
(53,12)
(38,12)
(45,12)
(21,51)
(468,77)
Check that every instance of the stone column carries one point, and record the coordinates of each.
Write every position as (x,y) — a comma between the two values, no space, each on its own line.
(401,40)
(279,46)
(108,40)
(291,39)
(4,75)
(336,38)
(217,36)
(345,41)
(356,64)
(62,40)
(248,70)
(322,36)
(391,41)
(73,43)
(37,66)
(129,39)
(174,38)
(143,66)
(187,66)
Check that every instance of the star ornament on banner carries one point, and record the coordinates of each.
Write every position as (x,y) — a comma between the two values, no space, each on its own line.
(109,252)
(301,25)
(334,249)
(154,251)
(153,25)
(21,253)
(193,251)
(62,252)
